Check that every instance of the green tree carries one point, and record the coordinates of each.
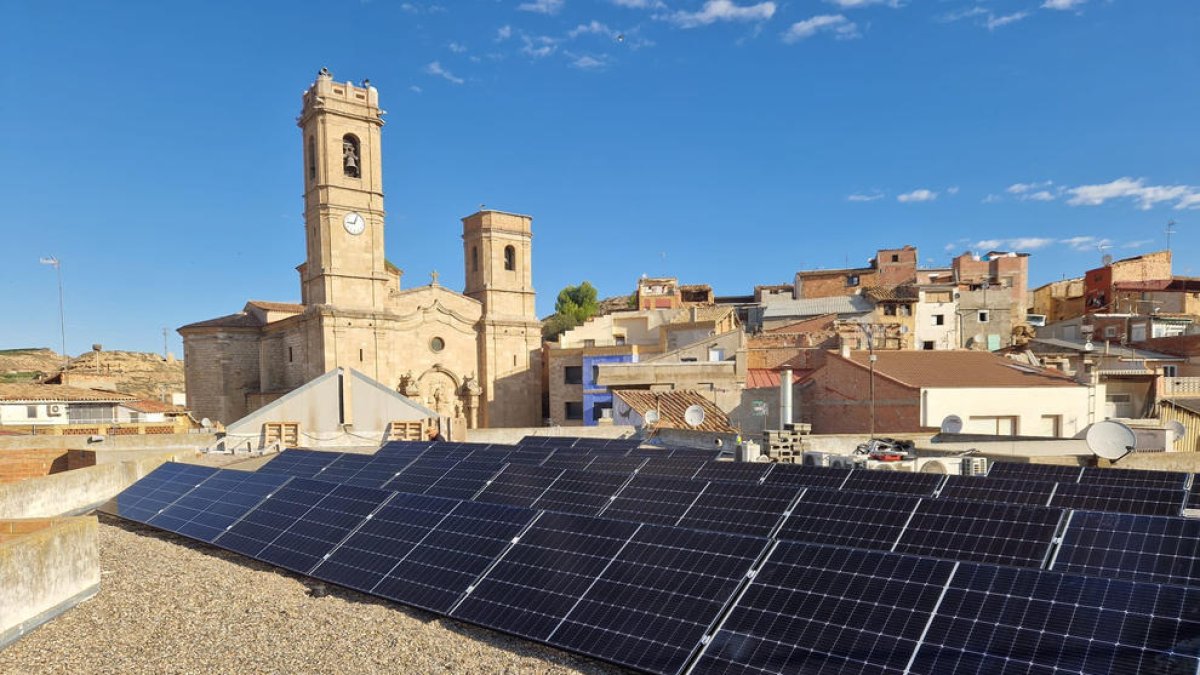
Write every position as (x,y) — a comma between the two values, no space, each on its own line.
(578,302)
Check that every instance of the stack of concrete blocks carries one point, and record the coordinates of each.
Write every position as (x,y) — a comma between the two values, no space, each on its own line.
(787,446)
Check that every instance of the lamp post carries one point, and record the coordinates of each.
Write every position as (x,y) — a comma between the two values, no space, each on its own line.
(62,314)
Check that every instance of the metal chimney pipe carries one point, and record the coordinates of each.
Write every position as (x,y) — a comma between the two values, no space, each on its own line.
(785,398)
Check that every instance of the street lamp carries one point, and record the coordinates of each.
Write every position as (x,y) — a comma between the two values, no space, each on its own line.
(62,315)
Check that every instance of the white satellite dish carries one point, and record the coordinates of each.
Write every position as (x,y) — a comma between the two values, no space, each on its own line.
(1176,429)
(651,417)
(206,423)
(694,416)
(1110,440)
(953,424)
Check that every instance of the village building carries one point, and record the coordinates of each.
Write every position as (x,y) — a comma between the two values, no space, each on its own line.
(472,357)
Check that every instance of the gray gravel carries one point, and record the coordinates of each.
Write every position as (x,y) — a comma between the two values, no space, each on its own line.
(169,605)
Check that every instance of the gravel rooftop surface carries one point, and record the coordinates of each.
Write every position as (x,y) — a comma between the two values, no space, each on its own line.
(170,605)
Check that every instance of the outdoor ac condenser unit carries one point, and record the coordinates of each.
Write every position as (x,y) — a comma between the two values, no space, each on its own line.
(816,459)
(944,465)
(841,462)
(974,466)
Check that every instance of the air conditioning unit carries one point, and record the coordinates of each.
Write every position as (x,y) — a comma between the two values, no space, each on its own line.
(974,466)
(841,462)
(942,465)
(817,459)
(55,409)
(877,465)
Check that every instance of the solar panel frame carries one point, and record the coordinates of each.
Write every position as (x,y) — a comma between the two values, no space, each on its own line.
(1142,478)
(733,472)
(899,482)
(1100,497)
(654,499)
(518,485)
(829,478)
(1052,473)
(465,479)
(581,492)
(421,474)
(159,489)
(214,505)
(1001,534)
(1133,547)
(300,462)
(621,465)
(997,490)
(740,508)
(857,519)
(672,467)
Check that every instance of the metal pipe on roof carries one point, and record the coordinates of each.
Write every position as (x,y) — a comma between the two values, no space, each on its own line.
(785,398)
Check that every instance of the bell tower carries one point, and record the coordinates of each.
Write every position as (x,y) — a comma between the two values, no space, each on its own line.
(497,250)
(343,196)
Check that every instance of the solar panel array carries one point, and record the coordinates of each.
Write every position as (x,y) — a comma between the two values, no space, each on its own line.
(697,567)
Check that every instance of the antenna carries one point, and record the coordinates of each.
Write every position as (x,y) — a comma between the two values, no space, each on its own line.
(1110,440)
(694,416)
(953,424)
(1170,231)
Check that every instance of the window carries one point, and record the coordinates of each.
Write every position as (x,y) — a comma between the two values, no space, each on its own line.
(1170,371)
(999,426)
(1052,425)
(350,156)
(601,411)
(889,310)
(983,316)
(716,353)
(573,410)
(1110,331)
(689,359)
(939,319)
(573,375)
(895,258)
(619,339)
(31,411)
(312,158)
(437,344)
(595,374)
(905,310)
(360,356)
(927,345)
(474,258)
(510,258)
(852,280)
(589,343)
(289,354)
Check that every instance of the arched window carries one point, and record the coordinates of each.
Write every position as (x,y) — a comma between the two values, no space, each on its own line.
(510,258)
(474,258)
(351,159)
(312,158)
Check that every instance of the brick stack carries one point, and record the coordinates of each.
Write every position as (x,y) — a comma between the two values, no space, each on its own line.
(788,445)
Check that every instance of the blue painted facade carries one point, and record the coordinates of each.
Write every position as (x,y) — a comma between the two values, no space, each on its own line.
(596,397)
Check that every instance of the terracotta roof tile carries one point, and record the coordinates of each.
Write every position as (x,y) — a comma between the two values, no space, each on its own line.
(958,368)
(277,306)
(148,405)
(904,293)
(671,406)
(239,320)
(769,378)
(58,392)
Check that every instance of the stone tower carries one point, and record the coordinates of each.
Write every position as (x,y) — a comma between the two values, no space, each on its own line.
(497,249)
(343,196)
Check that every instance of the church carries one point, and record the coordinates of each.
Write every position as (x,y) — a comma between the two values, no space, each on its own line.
(472,357)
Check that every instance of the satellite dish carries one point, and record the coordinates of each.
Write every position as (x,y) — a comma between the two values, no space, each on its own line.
(206,423)
(953,424)
(651,417)
(1176,429)
(1110,440)
(694,416)
(904,330)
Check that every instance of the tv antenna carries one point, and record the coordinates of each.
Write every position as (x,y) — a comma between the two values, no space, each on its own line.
(1170,231)
(1110,440)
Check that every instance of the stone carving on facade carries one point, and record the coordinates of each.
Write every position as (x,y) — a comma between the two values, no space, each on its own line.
(408,385)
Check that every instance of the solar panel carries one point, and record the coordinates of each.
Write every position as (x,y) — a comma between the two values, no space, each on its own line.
(1139,548)
(652,499)
(421,474)
(733,471)
(440,568)
(739,508)
(159,489)
(621,465)
(1002,534)
(1010,620)
(1003,490)
(1144,501)
(1168,480)
(819,609)
(344,468)
(856,519)
(301,522)
(218,502)
(465,479)
(830,478)
(575,460)
(529,457)
(672,467)
(899,482)
(300,463)
(534,586)
(658,597)
(1193,498)
(381,469)
(383,540)
(1053,473)
(518,485)
(581,492)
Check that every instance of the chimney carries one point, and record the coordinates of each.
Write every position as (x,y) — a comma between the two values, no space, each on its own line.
(845,350)
(695,315)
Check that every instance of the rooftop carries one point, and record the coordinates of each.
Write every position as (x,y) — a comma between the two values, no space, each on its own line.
(841,304)
(55,393)
(671,406)
(1052,345)
(958,369)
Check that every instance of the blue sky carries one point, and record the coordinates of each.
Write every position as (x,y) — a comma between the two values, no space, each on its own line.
(152,147)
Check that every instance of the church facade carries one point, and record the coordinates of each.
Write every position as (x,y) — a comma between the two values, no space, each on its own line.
(473,357)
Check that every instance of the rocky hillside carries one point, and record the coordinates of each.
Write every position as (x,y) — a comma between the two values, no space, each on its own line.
(137,373)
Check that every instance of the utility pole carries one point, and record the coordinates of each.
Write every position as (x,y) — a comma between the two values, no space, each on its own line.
(164,343)
(62,314)
(1170,231)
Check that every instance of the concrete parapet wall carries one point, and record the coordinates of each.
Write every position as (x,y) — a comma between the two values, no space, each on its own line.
(75,491)
(161,442)
(46,567)
(513,434)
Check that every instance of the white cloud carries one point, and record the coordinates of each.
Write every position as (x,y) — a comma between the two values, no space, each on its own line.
(842,28)
(855,4)
(437,70)
(961,14)
(415,89)
(1146,196)
(994,22)
(586,62)
(539,46)
(503,33)
(592,28)
(457,47)
(722,10)
(1062,4)
(1029,243)
(920,195)
(1022,188)
(1137,244)
(989,244)
(1087,243)
(542,6)
(859,197)
(1039,196)
(991,199)
(952,190)
(640,4)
